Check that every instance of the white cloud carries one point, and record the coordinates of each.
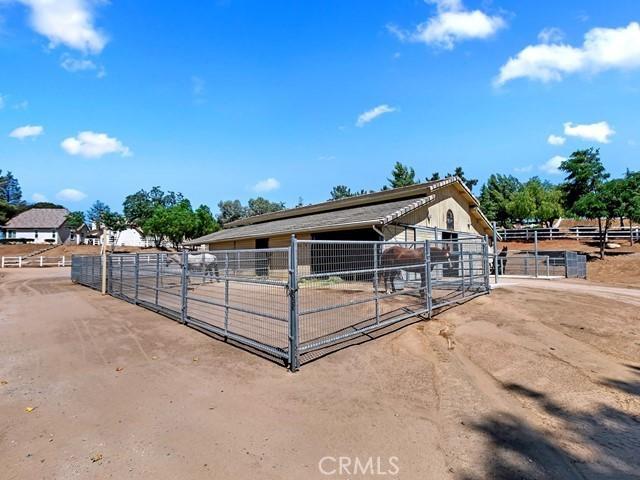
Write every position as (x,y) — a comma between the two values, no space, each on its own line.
(27,131)
(556,140)
(451,24)
(23,105)
(2,101)
(603,49)
(552,165)
(71,195)
(38,197)
(71,64)
(524,169)
(67,22)
(267,185)
(551,35)
(93,145)
(372,114)
(77,64)
(599,132)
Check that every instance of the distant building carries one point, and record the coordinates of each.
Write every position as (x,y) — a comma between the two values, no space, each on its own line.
(41,225)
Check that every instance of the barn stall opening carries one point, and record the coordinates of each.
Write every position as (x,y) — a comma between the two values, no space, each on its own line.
(293,302)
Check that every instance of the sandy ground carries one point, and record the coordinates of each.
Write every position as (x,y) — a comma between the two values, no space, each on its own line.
(620,270)
(591,248)
(542,380)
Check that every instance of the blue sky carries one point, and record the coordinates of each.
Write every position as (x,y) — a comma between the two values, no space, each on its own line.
(231,99)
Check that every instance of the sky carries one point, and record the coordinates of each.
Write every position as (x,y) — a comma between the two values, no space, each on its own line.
(232,99)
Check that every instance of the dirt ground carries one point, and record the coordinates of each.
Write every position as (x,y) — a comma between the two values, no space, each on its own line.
(574,245)
(616,270)
(537,380)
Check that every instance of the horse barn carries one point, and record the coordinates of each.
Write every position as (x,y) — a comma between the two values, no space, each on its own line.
(413,213)
(296,284)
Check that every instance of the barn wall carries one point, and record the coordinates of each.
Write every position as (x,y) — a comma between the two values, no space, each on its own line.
(435,215)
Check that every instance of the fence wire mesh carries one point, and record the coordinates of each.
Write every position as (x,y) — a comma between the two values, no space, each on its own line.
(288,301)
(545,264)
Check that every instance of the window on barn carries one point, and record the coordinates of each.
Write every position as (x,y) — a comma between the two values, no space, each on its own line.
(450,220)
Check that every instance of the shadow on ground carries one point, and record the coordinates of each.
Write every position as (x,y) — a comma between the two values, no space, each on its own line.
(607,438)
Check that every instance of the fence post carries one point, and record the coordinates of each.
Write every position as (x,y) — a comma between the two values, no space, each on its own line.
(109,262)
(495,253)
(41,261)
(63,261)
(461,264)
(566,265)
(226,292)
(137,277)
(157,293)
(376,279)
(184,286)
(294,356)
(2,263)
(485,262)
(548,272)
(19,262)
(428,282)
(535,240)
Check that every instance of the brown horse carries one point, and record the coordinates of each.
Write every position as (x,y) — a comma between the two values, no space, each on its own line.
(398,258)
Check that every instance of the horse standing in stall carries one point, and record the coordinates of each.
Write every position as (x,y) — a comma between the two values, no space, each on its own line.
(205,262)
(398,258)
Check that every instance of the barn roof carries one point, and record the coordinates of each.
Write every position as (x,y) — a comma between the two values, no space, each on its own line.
(377,208)
(363,216)
(39,218)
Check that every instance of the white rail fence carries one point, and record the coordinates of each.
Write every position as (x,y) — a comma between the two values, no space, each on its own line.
(37,262)
(573,233)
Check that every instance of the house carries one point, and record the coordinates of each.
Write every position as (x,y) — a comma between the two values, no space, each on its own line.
(442,209)
(41,225)
(130,237)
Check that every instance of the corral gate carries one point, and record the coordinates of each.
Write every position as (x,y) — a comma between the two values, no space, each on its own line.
(289,302)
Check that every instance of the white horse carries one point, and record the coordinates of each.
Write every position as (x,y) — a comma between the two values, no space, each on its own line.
(205,262)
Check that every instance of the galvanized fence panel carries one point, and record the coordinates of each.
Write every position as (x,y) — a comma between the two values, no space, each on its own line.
(290,301)
(351,288)
(87,270)
(547,264)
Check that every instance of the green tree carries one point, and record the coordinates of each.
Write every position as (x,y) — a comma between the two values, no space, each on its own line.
(522,205)
(230,210)
(401,176)
(10,191)
(260,205)
(205,223)
(340,191)
(75,220)
(469,182)
(604,203)
(434,177)
(496,194)
(96,212)
(156,226)
(180,222)
(585,173)
(45,205)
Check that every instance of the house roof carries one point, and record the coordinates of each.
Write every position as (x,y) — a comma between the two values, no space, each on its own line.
(39,218)
(364,216)
(377,208)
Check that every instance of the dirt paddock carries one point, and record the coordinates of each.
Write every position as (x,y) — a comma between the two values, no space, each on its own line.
(537,380)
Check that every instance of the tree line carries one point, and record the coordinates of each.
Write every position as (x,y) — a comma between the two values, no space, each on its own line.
(587,191)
